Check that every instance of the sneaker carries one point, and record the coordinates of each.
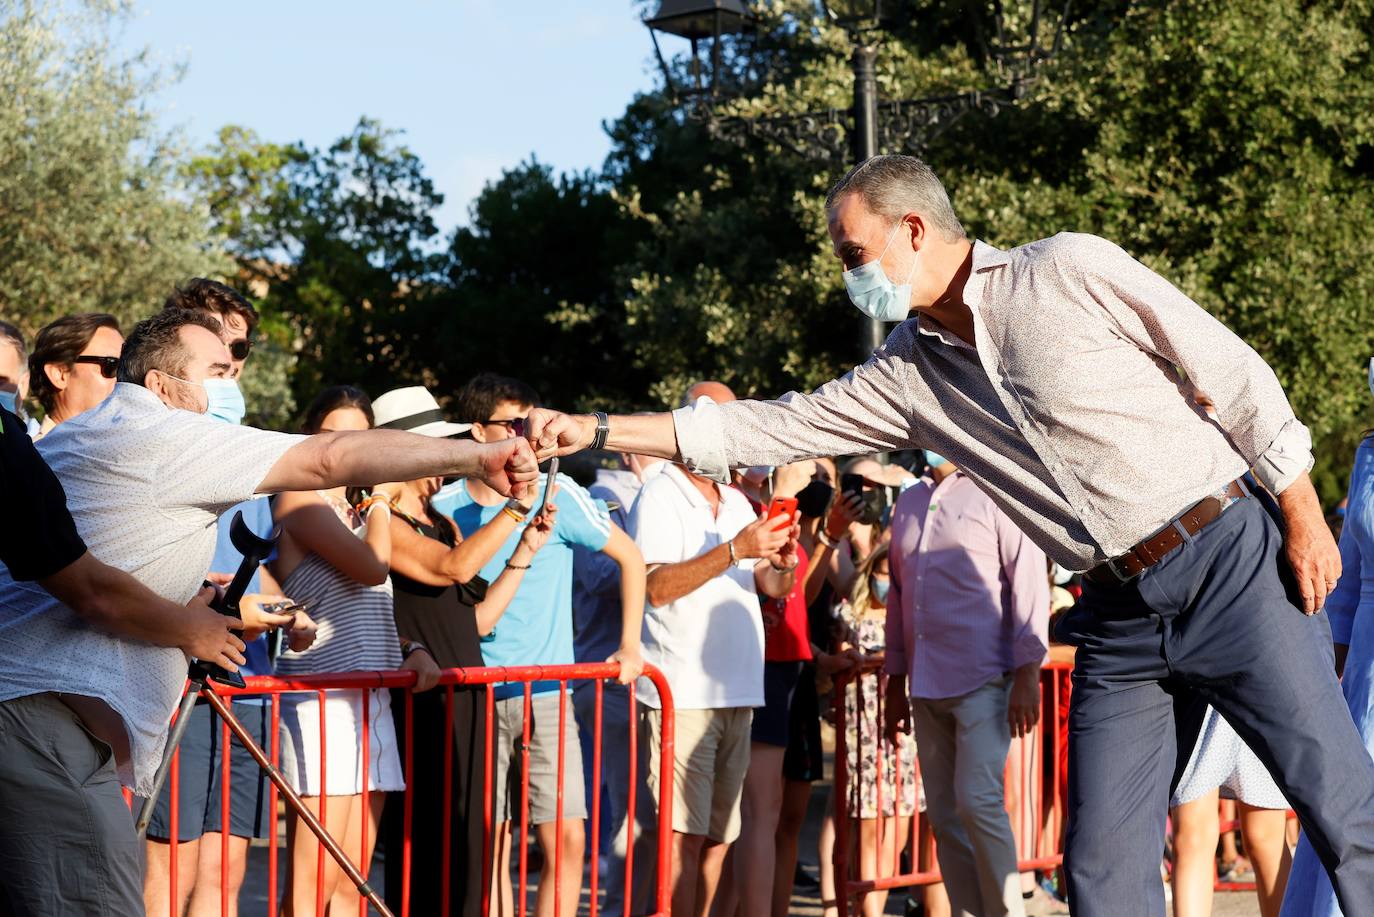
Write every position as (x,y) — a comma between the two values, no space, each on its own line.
(1042,904)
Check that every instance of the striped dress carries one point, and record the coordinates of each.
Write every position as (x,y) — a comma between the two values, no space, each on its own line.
(357,632)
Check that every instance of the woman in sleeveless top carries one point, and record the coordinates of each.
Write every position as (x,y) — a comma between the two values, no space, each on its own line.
(439,598)
(331,556)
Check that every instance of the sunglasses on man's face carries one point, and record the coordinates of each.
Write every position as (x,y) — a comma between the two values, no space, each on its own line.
(108,365)
(240,349)
(516,425)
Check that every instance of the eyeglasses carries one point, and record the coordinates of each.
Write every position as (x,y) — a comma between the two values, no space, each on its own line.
(516,425)
(241,348)
(108,365)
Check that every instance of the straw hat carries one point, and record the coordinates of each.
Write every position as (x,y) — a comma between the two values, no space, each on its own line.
(414,410)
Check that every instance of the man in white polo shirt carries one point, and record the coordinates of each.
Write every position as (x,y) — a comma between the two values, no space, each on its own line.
(709,556)
(146,475)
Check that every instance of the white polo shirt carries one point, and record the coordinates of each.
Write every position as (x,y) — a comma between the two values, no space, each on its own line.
(709,643)
(146,485)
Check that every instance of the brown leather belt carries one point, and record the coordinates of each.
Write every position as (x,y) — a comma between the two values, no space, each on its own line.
(1152,550)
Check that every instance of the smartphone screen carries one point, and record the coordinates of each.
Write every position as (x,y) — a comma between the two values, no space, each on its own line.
(548,488)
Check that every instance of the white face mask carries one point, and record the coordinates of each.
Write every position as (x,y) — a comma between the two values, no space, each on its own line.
(1371,375)
(874,294)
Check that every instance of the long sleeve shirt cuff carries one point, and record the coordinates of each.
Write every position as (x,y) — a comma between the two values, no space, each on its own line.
(701,440)
(1288,456)
(1028,652)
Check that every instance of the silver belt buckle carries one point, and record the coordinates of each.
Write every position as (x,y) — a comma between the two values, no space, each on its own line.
(1121,577)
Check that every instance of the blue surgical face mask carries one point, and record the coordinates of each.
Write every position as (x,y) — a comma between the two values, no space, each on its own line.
(935,460)
(225,401)
(874,293)
(880,588)
(10,402)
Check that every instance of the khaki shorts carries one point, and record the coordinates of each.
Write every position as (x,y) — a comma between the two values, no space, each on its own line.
(543,759)
(711,752)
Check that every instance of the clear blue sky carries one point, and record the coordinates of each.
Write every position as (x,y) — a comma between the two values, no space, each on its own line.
(477,85)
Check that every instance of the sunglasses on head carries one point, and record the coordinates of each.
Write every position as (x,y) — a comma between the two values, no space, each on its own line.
(241,348)
(108,365)
(516,425)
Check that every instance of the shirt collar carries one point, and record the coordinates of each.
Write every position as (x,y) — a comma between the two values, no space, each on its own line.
(689,490)
(985,258)
(134,394)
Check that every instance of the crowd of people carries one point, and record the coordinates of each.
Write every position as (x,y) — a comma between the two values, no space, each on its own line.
(783,591)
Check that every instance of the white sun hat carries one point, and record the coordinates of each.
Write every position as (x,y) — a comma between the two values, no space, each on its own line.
(414,410)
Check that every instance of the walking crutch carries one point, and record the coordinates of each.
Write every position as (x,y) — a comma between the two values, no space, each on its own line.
(255,549)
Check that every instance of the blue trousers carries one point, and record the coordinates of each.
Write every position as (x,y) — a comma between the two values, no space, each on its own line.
(1215,622)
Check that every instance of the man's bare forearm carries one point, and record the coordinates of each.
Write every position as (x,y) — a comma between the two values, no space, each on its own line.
(369,457)
(670,582)
(116,603)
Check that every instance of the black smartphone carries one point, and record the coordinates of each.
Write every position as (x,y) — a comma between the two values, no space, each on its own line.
(852,484)
(548,488)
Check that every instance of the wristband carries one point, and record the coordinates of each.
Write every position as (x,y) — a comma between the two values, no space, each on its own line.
(777,569)
(603,430)
(824,538)
(411,647)
(515,509)
(373,502)
(733,558)
(511,566)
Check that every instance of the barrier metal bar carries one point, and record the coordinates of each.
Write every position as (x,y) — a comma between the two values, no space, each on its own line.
(218,697)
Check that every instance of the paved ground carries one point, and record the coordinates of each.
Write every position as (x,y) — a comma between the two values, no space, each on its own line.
(254,901)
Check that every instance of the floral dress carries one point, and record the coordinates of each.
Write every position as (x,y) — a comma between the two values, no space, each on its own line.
(864,732)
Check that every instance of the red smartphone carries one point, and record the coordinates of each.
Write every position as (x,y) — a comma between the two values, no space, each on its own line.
(783,506)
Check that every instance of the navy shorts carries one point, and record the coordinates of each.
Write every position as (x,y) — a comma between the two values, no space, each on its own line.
(198,790)
(770,720)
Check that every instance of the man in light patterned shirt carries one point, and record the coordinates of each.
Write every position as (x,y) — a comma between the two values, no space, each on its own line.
(1050,373)
(86,708)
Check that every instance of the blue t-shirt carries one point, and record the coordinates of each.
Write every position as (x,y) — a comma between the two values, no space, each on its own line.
(536,628)
(257,513)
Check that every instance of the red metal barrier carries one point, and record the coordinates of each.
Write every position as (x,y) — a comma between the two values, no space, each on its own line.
(1036,790)
(323,685)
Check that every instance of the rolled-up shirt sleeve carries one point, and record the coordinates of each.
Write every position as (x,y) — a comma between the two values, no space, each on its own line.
(1159,318)
(869,409)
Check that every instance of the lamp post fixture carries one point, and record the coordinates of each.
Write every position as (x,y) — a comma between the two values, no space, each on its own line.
(869,126)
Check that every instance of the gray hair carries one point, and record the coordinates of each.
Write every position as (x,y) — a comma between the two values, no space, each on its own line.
(893,186)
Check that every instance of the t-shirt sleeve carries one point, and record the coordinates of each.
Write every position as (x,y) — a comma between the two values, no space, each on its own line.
(214,465)
(582,520)
(39,537)
(656,528)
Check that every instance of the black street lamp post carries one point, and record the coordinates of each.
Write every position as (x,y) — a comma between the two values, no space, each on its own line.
(869,127)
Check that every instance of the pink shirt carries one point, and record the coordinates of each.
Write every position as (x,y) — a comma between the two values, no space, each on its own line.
(970,596)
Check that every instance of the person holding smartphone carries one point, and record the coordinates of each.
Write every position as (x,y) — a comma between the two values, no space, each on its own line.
(536,628)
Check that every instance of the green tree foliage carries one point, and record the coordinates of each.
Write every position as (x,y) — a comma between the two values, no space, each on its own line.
(336,245)
(534,291)
(1229,146)
(93,215)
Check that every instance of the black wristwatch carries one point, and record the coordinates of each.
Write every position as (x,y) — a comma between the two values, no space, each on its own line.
(603,430)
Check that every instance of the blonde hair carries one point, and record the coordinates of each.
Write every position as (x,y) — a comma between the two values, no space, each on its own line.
(858,598)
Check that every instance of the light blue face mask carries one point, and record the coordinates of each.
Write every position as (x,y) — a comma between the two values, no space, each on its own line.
(880,588)
(224,400)
(874,293)
(1371,375)
(10,402)
(935,460)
